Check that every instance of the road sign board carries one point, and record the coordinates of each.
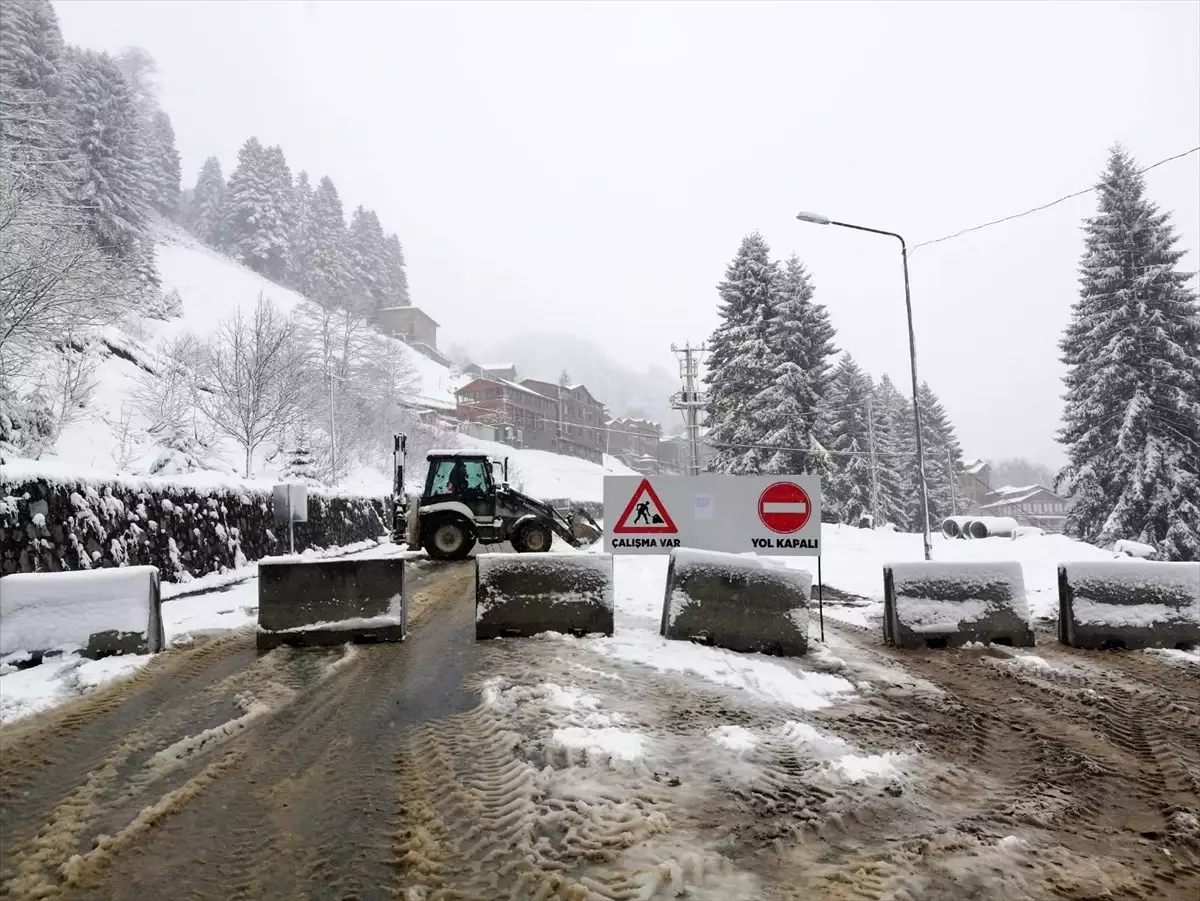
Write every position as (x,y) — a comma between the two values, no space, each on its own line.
(773,515)
(651,516)
(784,507)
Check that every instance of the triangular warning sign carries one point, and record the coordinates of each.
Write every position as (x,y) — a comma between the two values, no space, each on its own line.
(645,514)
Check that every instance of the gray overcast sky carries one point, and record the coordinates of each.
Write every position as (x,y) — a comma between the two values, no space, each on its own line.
(593,167)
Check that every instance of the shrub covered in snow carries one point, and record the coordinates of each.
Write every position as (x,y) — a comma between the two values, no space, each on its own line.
(70,524)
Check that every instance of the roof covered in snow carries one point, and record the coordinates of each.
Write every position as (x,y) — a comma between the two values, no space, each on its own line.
(975,467)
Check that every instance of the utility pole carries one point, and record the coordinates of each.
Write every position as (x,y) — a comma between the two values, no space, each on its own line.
(874,467)
(332,433)
(690,400)
(953,484)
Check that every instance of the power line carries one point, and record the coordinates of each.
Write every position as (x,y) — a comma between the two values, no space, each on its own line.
(1046,206)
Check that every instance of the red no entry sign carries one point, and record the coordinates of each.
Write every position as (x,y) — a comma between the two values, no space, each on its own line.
(784,507)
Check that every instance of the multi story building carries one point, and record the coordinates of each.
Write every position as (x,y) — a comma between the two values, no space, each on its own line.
(1030,505)
(578,424)
(635,442)
(503,404)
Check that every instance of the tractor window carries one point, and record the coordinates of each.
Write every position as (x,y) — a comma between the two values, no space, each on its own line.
(476,472)
(439,482)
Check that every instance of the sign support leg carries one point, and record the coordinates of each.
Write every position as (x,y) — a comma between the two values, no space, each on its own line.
(291,537)
(821,600)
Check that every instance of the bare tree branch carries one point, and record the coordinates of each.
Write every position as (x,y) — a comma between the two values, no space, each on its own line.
(255,371)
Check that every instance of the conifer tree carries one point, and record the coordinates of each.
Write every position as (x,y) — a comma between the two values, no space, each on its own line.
(111,175)
(282,198)
(852,484)
(367,248)
(300,234)
(163,162)
(1131,421)
(943,457)
(331,274)
(740,364)
(256,207)
(206,212)
(798,343)
(34,133)
(395,278)
(895,453)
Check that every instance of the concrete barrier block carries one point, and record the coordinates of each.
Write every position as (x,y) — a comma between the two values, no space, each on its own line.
(99,612)
(313,603)
(935,604)
(1129,604)
(519,595)
(738,602)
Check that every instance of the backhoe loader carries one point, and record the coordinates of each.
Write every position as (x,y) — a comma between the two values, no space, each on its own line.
(464,504)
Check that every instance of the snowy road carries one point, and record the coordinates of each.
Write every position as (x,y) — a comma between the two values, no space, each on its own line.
(634,768)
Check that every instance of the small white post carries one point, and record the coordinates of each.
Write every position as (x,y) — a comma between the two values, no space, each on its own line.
(291,536)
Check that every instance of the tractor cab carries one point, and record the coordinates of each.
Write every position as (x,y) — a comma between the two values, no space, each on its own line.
(461,477)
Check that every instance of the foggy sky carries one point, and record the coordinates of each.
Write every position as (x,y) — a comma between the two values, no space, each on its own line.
(593,167)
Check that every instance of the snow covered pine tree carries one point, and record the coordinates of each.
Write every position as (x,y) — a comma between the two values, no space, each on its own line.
(206,213)
(852,487)
(799,343)
(739,363)
(1132,405)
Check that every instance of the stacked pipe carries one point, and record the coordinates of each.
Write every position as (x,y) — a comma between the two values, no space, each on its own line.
(970,527)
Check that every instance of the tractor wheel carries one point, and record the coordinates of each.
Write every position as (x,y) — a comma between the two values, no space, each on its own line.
(449,538)
(533,537)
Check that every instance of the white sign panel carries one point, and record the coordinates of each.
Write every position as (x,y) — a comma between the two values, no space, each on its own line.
(737,514)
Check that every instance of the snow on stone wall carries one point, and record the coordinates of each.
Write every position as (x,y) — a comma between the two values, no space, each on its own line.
(64,523)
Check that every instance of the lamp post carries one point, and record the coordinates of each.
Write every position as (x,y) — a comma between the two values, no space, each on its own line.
(818,219)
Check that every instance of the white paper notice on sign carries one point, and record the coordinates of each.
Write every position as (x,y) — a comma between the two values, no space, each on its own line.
(703,506)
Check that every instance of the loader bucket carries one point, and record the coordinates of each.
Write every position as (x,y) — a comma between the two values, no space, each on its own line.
(736,602)
(519,595)
(315,603)
(938,605)
(1129,604)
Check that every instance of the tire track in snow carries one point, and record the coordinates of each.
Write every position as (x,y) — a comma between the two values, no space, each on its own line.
(1080,753)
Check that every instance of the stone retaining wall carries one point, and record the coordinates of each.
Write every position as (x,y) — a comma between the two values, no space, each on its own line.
(64,524)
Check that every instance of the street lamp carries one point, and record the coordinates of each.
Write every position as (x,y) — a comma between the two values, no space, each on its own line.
(818,219)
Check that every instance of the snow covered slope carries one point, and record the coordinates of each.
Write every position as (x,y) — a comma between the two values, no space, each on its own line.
(109,437)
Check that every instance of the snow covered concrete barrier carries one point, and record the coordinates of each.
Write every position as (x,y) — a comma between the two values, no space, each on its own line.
(519,595)
(992,527)
(737,602)
(101,612)
(1129,604)
(314,603)
(952,604)
(952,526)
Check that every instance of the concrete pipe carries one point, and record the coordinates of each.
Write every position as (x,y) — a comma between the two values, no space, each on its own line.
(314,603)
(938,605)
(519,595)
(952,526)
(1129,604)
(100,611)
(964,527)
(993,527)
(738,602)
